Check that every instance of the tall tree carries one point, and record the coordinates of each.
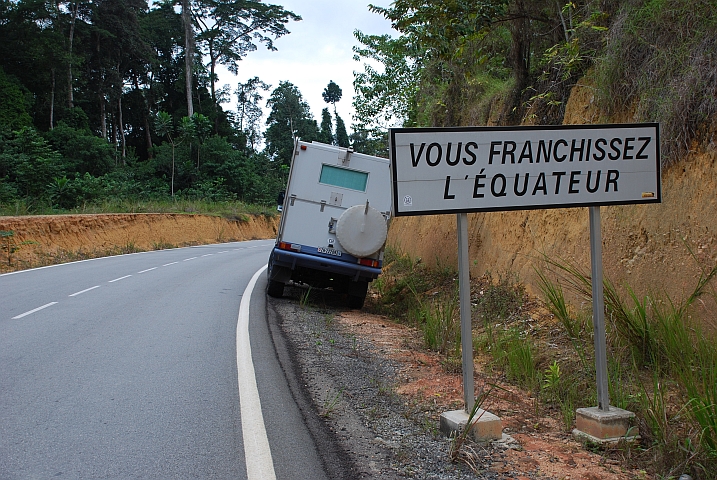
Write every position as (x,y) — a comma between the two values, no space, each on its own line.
(188,54)
(78,11)
(35,30)
(13,103)
(332,94)
(325,134)
(384,96)
(448,34)
(74,8)
(342,138)
(249,112)
(119,53)
(290,118)
(161,86)
(164,123)
(228,31)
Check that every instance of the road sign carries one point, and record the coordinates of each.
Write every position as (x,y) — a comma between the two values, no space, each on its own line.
(480,169)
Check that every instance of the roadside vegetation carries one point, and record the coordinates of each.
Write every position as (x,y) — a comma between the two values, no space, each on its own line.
(662,362)
(231,209)
(106,105)
(510,62)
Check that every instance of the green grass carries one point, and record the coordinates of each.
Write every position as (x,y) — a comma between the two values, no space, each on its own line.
(662,365)
(512,352)
(658,64)
(439,320)
(501,299)
(402,284)
(557,305)
(234,210)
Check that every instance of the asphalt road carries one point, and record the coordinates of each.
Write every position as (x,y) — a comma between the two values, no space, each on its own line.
(126,367)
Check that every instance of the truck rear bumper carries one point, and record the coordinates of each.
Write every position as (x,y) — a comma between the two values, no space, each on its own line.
(292,260)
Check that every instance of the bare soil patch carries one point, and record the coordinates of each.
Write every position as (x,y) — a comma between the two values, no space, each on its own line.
(543,450)
(47,239)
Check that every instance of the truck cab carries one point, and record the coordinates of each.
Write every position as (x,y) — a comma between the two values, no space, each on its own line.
(334,221)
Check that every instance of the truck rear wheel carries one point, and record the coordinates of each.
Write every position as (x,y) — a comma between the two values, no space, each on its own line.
(357,294)
(275,289)
(356,301)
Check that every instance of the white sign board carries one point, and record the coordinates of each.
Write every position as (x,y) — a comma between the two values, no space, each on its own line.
(480,169)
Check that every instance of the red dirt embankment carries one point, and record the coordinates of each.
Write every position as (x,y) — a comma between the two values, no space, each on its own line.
(653,248)
(40,239)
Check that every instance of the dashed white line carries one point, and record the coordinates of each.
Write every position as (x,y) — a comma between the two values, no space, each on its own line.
(33,311)
(225,251)
(168,264)
(83,291)
(188,259)
(208,255)
(148,270)
(118,279)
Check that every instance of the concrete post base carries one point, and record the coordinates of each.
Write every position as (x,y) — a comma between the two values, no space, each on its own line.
(486,427)
(601,427)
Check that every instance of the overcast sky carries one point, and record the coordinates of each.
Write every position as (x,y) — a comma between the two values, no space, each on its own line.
(317,50)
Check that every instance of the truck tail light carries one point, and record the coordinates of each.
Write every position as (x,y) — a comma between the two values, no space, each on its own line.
(289,246)
(369,262)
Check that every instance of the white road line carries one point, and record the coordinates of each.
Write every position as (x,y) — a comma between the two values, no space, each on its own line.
(118,279)
(208,255)
(35,310)
(148,270)
(188,259)
(257,454)
(83,291)
(168,264)
(225,251)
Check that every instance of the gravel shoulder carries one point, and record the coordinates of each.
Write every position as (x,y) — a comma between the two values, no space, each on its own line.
(346,386)
(372,396)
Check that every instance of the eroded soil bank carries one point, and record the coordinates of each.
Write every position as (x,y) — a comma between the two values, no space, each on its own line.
(652,248)
(39,240)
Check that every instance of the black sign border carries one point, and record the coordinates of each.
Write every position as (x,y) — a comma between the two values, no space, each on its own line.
(414,213)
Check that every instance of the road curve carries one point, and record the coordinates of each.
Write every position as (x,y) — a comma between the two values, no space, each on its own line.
(126,367)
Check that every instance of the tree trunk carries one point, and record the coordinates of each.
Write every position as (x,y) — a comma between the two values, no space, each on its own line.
(172,169)
(113,130)
(70,97)
(147,113)
(188,53)
(103,114)
(518,58)
(148,137)
(120,122)
(212,62)
(52,100)
(520,49)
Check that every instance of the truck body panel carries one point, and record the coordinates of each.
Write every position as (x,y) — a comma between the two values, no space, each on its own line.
(336,209)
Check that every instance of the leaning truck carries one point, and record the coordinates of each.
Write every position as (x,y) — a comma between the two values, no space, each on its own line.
(334,221)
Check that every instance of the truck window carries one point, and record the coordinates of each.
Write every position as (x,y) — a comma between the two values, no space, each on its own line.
(342,177)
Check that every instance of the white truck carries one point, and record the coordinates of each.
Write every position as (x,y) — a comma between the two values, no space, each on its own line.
(334,221)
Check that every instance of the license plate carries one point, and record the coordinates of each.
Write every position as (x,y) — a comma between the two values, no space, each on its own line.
(330,251)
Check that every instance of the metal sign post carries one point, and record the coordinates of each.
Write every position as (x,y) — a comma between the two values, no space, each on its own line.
(490,169)
(598,310)
(464,285)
